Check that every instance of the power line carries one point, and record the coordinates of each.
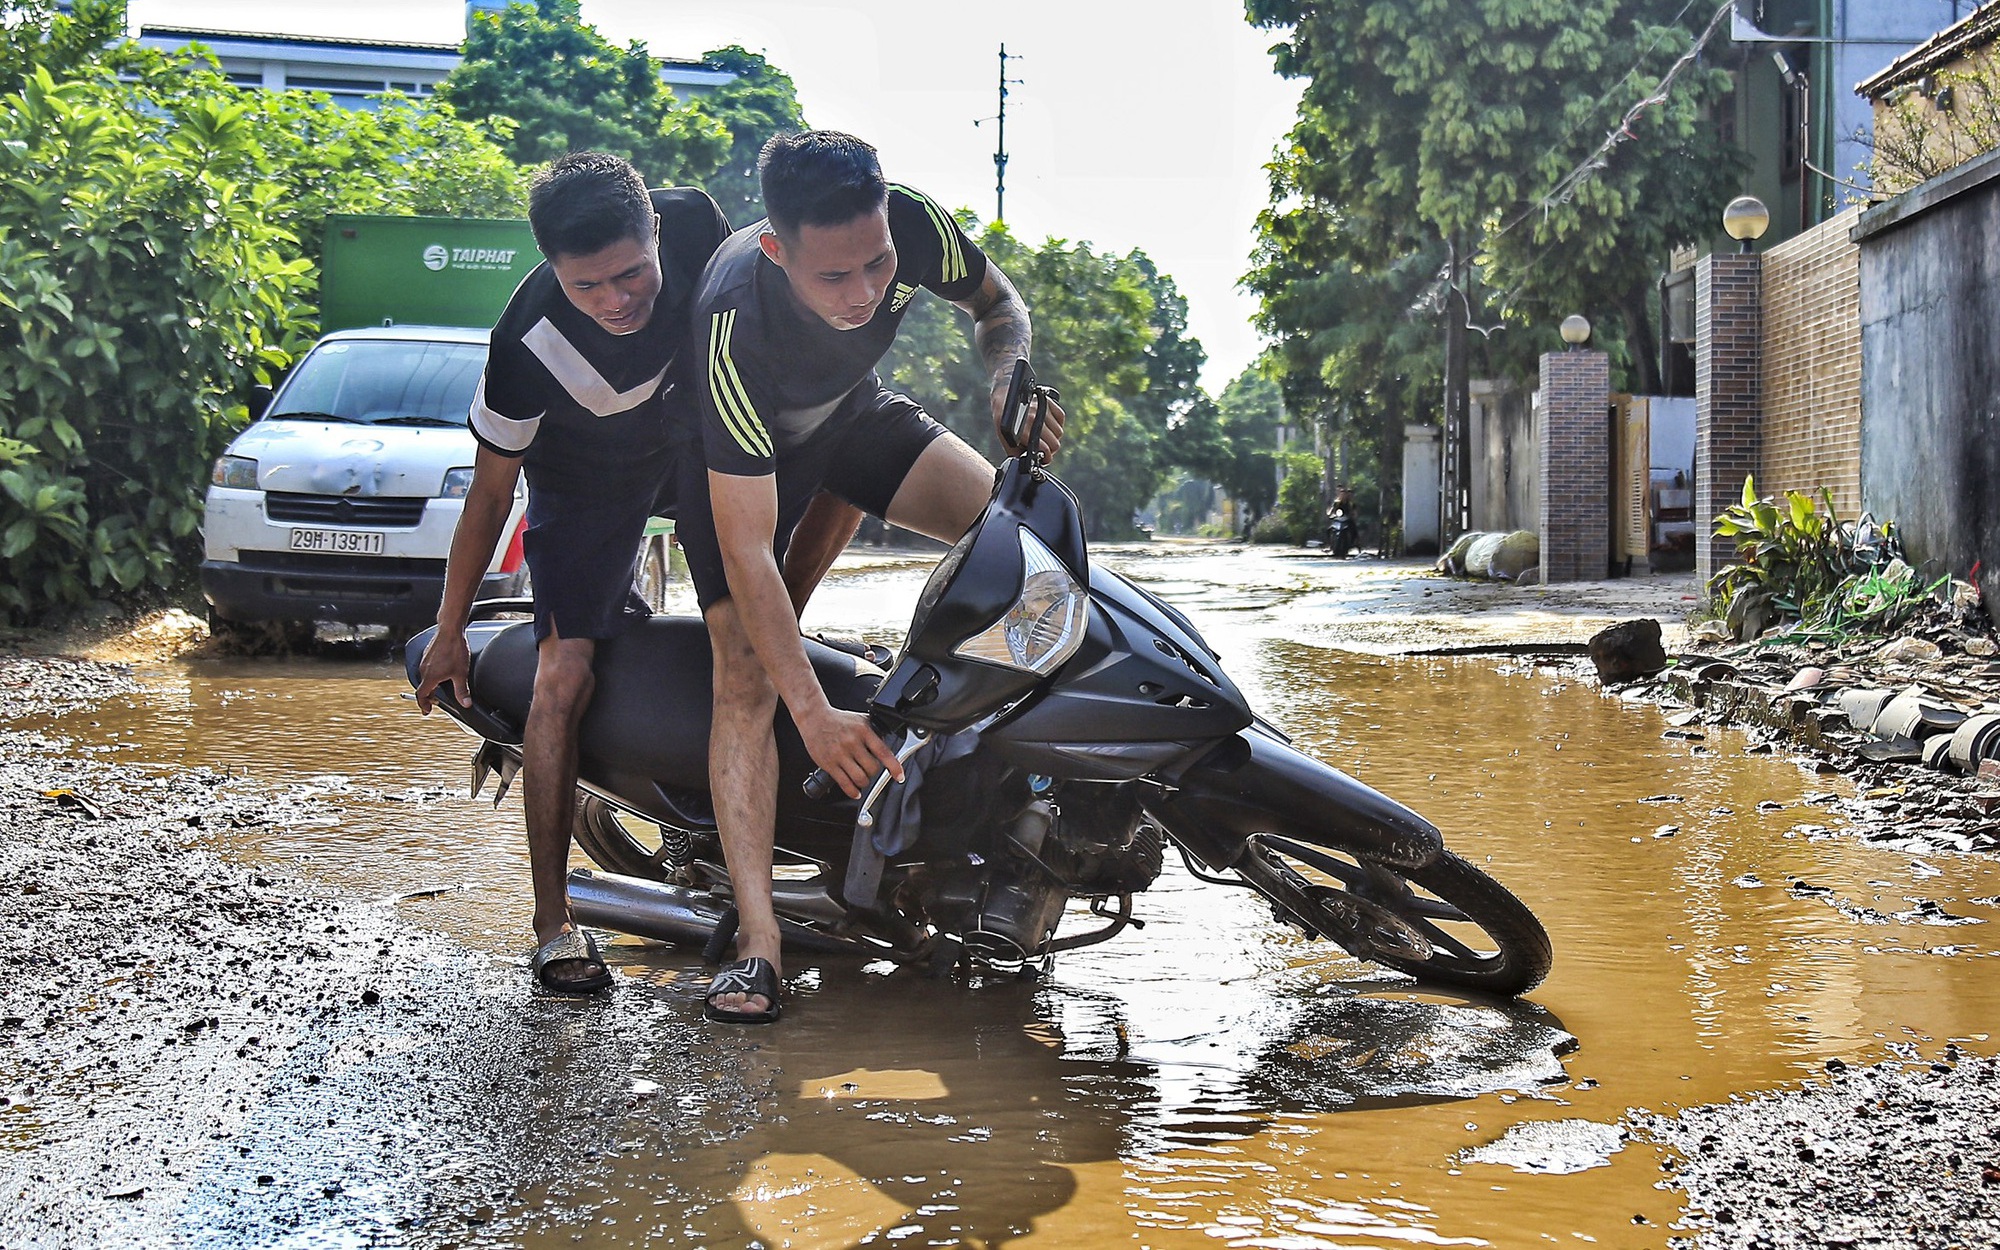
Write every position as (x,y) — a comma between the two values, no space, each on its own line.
(1566,188)
(1616,87)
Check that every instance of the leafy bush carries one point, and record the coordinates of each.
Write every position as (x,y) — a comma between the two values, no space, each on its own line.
(1299,496)
(1271,529)
(154,237)
(1803,564)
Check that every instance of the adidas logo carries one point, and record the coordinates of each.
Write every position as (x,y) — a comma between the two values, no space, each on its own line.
(900,295)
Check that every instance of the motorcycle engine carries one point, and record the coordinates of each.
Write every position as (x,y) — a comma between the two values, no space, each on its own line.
(1004,898)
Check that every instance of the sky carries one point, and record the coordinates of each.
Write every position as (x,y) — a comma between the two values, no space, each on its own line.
(1135,124)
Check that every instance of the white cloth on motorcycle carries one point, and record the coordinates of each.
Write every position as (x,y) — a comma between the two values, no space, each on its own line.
(901,818)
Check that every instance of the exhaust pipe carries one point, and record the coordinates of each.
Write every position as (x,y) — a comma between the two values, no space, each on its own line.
(649,909)
(684,917)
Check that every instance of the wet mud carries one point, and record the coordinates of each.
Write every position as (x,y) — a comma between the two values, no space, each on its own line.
(271,989)
(1898,1154)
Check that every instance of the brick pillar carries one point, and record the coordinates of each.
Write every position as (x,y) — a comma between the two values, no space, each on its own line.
(1576,466)
(1728,394)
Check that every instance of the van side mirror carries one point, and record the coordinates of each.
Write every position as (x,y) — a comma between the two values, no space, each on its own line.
(260,400)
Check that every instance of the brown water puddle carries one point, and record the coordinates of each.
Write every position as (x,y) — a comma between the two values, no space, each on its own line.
(1214,1079)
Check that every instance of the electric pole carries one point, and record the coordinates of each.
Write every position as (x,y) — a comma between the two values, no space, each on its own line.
(1000,147)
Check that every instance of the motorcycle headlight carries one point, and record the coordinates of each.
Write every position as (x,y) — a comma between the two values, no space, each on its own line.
(235,472)
(1045,625)
(457,482)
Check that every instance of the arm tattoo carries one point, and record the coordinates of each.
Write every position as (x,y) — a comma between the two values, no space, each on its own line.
(1001,329)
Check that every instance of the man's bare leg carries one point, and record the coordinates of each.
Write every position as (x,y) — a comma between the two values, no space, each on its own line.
(943,495)
(563,686)
(820,536)
(742,779)
(945,491)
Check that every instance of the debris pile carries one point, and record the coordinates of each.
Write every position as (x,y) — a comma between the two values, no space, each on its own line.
(1914,719)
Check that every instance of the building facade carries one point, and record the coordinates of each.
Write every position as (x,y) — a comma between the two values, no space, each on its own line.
(355,73)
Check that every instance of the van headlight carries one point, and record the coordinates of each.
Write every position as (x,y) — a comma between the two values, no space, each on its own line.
(235,472)
(1045,625)
(457,484)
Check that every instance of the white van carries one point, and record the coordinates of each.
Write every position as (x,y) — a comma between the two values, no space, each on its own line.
(338,503)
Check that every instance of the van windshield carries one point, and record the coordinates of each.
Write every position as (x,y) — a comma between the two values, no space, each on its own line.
(383,381)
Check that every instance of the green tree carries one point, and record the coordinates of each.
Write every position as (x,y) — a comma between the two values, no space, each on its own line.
(1099,330)
(1174,359)
(1357,347)
(761,101)
(1249,413)
(1299,494)
(1428,125)
(38,34)
(151,269)
(546,82)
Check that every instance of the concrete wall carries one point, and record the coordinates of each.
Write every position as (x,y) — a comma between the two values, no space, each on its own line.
(1422,489)
(1812,365)
(1930,349)
(1505,460)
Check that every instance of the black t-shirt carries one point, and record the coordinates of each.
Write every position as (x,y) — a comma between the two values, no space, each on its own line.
(774,370)
(578,405)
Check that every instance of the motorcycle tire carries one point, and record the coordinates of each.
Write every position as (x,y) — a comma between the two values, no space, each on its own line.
(1481,937)
(617,842)
(1520,954)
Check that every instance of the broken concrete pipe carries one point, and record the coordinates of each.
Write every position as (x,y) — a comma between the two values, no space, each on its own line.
(1975,740)
(1937,752)
(1862,704)
(1912,714)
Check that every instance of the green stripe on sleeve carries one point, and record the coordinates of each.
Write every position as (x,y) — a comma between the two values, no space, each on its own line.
(954,255)
(725,386)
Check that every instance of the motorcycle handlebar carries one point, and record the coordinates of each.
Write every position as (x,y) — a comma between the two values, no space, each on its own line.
(818,785)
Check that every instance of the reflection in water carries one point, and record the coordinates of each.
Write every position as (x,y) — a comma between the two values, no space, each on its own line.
(1214,1078)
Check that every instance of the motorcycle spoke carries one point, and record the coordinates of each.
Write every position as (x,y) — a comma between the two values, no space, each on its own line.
(1415,905)
(1479,936)
(1348,874)
(1445,941)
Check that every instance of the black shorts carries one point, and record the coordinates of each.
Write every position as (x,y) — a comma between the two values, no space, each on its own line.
(861,454)
(582,550)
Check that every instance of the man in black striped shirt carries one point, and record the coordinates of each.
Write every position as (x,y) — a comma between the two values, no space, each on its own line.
(791,316)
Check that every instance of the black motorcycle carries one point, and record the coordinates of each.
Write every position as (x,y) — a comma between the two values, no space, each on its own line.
(1341,535)
(1060,728)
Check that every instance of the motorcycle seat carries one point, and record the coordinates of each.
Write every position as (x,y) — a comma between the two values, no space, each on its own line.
(649,714)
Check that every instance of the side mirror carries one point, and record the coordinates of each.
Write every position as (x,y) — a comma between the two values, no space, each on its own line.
(260,400)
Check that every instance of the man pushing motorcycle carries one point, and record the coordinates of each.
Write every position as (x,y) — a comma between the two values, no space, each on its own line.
(579,392)
(792,314)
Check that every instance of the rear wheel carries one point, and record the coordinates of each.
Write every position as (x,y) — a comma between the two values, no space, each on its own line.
(1479,936)
(623,843)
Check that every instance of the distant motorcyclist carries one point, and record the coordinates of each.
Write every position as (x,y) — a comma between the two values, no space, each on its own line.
(1341,530)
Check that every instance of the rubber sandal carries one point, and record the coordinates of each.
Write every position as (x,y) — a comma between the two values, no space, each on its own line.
(571,946)
(745,976)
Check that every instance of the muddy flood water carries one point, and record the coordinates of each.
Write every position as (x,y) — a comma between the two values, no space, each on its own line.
(1212,1080)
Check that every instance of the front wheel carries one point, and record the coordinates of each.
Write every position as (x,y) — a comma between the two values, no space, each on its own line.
(1481,936)
(1472,933)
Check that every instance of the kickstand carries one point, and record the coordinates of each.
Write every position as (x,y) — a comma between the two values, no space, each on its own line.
(718,941)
